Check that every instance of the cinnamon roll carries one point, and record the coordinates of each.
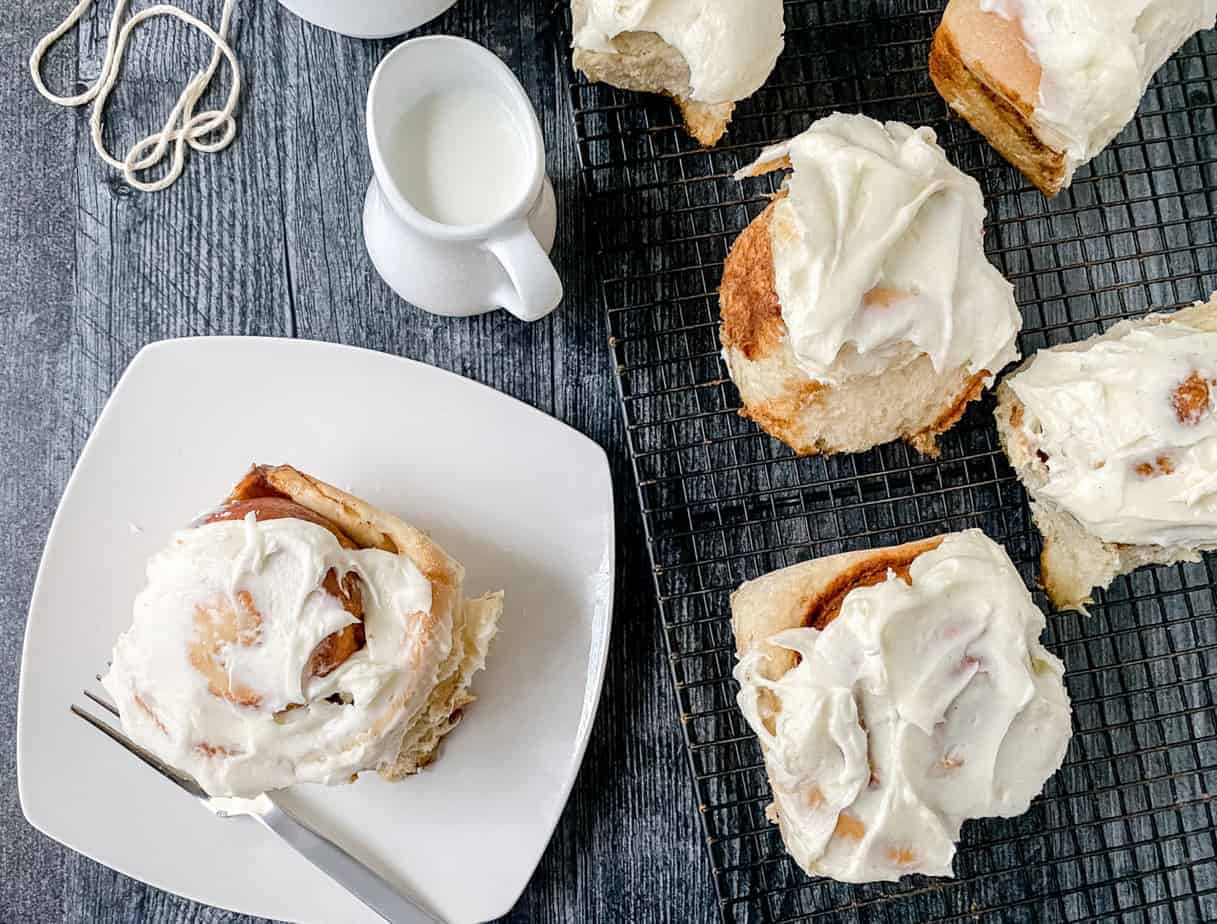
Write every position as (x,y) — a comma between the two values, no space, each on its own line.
(298,634)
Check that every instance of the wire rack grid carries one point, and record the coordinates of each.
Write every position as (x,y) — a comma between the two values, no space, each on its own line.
(1126,830)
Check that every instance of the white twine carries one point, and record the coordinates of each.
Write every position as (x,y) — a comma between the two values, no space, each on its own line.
(184,127)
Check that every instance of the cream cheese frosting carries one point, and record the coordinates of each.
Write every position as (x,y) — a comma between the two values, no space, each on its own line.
(246,598)
(878,256)
(1128,428)
(921,705)
(731,46)
(1097,58)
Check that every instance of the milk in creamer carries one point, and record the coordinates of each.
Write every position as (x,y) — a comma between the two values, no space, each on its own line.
(458,156)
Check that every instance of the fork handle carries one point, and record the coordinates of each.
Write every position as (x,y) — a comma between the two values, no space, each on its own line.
(345,870)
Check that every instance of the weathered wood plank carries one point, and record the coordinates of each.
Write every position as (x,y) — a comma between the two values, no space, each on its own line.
(266,239)
(36,301)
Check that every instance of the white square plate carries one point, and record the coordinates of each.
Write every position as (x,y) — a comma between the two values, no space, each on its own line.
(522,500)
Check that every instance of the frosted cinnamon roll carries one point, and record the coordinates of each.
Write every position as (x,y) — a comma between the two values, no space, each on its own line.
(298,634)
(897,693)
(859,307)
(1051,83)
(1115,439)
(705,54)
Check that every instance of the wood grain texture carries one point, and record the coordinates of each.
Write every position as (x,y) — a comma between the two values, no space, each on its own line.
(265,238)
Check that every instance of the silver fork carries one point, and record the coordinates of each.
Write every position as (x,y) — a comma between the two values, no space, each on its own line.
(307,841)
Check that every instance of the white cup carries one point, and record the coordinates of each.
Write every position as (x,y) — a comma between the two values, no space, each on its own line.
(455,269)
(368,18)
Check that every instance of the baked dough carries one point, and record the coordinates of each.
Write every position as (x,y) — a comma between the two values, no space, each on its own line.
(1074,561)
(982,68)
(298,634)
(914,402)
(474,622)
(809,595)
(895,694)
(1051,83)
(704,54)
(645,63)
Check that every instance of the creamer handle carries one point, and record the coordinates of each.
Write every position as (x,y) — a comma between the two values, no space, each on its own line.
(536,289)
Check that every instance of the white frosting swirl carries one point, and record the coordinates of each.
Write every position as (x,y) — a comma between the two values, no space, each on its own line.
(1097,57)
(247,595)
(1129,427)
(878,256)
(920,706)
(731,46)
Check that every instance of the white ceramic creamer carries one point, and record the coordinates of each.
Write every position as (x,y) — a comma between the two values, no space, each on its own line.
(368,18)
(458,157)
(460,216)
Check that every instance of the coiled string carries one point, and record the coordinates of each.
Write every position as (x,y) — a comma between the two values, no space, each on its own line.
(207,132)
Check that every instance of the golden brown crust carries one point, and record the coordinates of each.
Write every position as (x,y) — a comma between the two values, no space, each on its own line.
(751,313)
(998,111)
(778,416)
(926,441)
(322,499)
(790,406)
(255,484)
(995,49)
(273,507)
(811,595)
(706,122)
(825,605)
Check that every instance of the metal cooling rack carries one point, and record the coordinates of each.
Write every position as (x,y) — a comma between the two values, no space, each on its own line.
(1126,829)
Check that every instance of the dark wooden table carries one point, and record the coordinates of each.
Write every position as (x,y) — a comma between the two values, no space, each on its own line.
(265,239)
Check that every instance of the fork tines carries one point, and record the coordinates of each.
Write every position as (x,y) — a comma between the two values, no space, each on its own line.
(184,780)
